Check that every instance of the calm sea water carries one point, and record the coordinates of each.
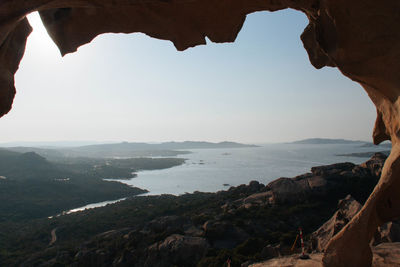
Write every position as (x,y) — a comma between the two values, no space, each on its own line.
(208,170)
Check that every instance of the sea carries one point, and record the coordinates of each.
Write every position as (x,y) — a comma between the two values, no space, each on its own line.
(211,170)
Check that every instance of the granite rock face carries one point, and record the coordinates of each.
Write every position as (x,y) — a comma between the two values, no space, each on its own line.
(389,232)
(321,180)
(348,208)
(384,255)
(360,37)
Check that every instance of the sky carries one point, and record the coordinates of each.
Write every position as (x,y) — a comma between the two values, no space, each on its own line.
(130,87)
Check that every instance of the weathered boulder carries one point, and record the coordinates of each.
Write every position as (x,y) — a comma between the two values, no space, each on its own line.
(176,250)
(374,164)
(252,187)
(348,208)
(284,190)
(386,255)
(270,251)
(332,169)
(257,199)
(389,232)
(320,181)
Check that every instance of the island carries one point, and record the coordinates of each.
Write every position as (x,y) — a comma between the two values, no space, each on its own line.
(364,154)
(327,141)
(127,149)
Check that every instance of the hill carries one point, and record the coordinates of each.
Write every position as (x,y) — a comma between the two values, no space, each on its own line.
(325,141)
(33,187)
(364,154)
(126,149)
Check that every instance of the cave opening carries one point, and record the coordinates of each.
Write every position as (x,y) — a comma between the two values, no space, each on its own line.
(136,87)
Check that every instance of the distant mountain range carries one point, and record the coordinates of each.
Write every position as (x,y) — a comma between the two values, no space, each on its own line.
(164,146)
(46,144)
(364,154)
(323,141)
(126,149)
(326,141)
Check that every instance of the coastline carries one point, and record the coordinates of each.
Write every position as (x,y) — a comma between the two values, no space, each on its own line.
(246,223)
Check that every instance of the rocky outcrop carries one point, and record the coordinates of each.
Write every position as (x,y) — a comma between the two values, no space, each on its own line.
(125,247)
(389,232)
(177,250)
(321,181)
(348,208)
(292,261)
(384,255)
(13,38)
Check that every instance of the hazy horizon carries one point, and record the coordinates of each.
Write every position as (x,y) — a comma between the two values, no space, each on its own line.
(260,89)
(69,143)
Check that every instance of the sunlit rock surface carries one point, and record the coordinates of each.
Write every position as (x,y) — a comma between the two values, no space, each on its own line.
(347,209)
(384,255)
(360,37)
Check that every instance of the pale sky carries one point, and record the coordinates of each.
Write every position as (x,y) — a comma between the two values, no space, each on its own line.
(120,87)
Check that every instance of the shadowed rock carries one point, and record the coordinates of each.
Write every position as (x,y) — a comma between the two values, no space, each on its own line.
(177,250)
(348,208)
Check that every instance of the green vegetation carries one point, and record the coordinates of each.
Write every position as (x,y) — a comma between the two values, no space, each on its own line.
(32,187)
(116,168)
(265,225)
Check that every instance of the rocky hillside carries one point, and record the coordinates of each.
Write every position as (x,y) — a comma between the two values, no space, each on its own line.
(245,224)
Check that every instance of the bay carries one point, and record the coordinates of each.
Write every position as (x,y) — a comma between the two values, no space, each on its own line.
(211,170)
